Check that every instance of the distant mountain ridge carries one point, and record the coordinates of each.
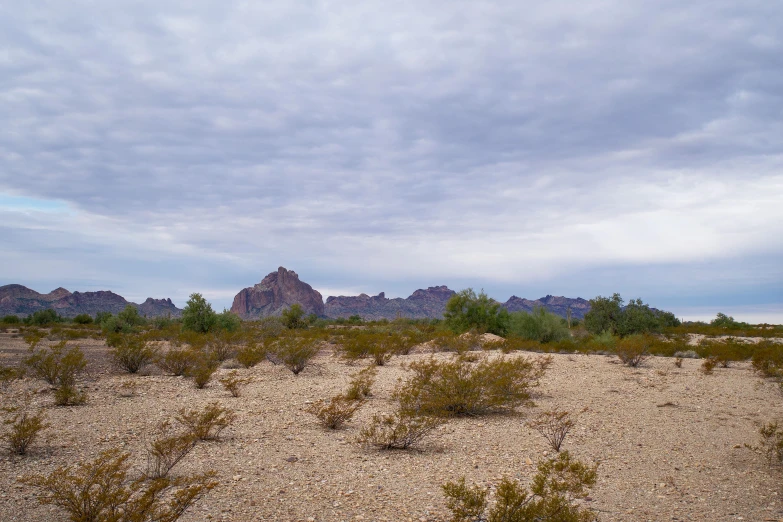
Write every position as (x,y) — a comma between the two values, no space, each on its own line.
(280,289)
(22,301)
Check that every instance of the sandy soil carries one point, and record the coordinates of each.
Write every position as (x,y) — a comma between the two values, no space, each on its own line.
(669,442)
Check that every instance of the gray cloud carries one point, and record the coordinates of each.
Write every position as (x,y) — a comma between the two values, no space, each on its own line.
(406,142)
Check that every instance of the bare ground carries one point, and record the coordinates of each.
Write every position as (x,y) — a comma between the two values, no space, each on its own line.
(669,442)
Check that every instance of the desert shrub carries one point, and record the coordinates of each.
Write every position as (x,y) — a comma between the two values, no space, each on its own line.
(539,325)
(101,491)
(176,361)
(768,359)
(360,386)
(603,342)
(251,354)
(206,424)
(708,365)
(458,343)
(202,370)
(167,450)
(467,310)
(725,351)
(379,346)
(43,318)
(457,387)
(234,383)
(724,321)
(558,481)
(23,429)
(678,362)
(131,353)
(55,364)
(128,321)
(335,412)
(221,345)
(7,375)
(66,394)
(401,430)
(11,319)
(294,352)
(82,319)
(554,426)
(195,340)
(772,441)
(293,317)
(633,350)
(227,321)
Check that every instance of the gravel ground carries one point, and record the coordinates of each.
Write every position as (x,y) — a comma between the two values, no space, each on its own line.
(669,441)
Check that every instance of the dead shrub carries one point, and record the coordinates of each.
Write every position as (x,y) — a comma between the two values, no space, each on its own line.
(360,386)
(23,430)
(167,450)
(8,375)
(400,430)
(557,483)
(177,361)
(708,365)
(234,383)
(553,426)
(457,387)
(678,362)
(131,353)
(772,441)
(335,412)
(206,424)
(633,350)
(101,491)
(128,388)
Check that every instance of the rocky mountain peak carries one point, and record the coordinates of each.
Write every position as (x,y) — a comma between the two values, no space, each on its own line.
(277,291)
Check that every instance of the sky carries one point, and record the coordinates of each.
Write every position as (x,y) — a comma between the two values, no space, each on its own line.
(158,149)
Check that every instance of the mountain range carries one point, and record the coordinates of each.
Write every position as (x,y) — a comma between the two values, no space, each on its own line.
(277,291)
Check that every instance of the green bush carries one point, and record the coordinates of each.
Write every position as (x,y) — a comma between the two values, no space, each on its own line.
(206,424)
(768,359)
(457,387)
(557,483)
(335,412)
(128,321)
(251,354)
(11,319)
(468,311)
(633,350)
(228,321)
(43,318)
(82,319)
(293,317)
(400,430)
(539,325)
(609,315)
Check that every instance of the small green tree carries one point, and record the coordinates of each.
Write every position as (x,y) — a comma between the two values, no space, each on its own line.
(467,310)
(604,314)
(294,317)
(43,318)
(228,321)
(82,319)
(198,316)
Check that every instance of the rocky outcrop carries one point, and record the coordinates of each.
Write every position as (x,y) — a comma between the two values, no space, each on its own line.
(274,293)
(22,301)
(421,304)
(555,304)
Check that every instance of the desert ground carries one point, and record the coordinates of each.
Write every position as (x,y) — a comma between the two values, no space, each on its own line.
(669,442)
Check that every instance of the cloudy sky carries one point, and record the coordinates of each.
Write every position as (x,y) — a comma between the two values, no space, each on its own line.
(528,148)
